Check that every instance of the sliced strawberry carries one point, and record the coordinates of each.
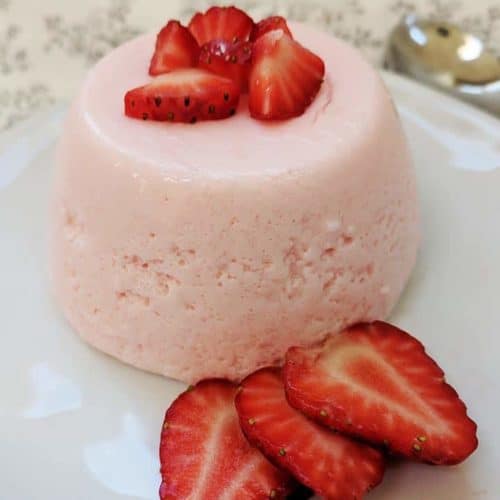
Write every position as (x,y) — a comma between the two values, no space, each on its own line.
(204,454)
(221,23)
(376,382)
(270,24)
(184,95)
(175,48)
(332,465)
(285,77)
(231,60)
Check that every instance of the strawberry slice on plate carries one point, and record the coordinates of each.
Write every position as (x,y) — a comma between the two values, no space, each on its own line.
(231,60)
(284,79)
(270,24)
(332,465)
(175,48)
(204,454)
(221,23)
(376,382)
(185,95)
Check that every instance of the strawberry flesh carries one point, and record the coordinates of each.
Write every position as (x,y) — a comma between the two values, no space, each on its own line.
(186,95)
(332,465)
(221,23)
(227,59)
(204,454)
(376,382)
(175,48)
(285,77)
(270,24)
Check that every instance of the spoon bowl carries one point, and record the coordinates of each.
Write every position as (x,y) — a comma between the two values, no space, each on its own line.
(444,56)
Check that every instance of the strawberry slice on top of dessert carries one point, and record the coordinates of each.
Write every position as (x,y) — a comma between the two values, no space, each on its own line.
(221,23)
(175,48)
(285,77)
(185,96)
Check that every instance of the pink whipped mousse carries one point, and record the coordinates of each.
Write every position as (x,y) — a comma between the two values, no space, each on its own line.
(207,250)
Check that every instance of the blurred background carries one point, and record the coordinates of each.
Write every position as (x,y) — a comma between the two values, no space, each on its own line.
(46,46)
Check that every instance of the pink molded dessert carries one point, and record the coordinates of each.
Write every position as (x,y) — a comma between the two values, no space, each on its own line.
(208,250)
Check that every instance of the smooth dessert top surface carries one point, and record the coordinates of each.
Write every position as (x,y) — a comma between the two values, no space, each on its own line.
(339,118)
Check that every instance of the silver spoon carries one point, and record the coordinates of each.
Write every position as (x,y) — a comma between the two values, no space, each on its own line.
(442,55)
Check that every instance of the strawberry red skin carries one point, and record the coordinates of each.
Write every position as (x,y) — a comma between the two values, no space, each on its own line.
(270,24)
(285,77)
(175,48)
(322,393)
(186,96)
(230,60)
(292,441)
(194,466)
(221,23)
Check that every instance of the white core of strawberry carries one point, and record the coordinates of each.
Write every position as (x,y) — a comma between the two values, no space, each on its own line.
(336,361)
(211,449)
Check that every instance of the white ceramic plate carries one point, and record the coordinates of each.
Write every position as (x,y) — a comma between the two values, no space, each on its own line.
(76,424)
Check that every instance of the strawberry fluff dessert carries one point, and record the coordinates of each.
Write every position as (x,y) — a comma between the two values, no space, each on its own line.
(235,202)
(225,190)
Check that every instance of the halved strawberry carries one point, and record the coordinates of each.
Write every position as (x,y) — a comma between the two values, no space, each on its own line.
(204,454)
(175,48)
(376,382)
(221,23)
(270,24)
(332,465)
(231,60)
(285,77)
(184,95)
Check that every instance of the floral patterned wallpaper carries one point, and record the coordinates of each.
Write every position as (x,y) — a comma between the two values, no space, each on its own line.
(46,47)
